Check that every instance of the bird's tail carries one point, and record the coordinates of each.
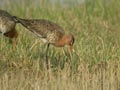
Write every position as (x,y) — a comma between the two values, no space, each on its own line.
(16,19)
(20,20)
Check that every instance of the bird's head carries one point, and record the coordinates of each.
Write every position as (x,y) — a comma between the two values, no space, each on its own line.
(70,41)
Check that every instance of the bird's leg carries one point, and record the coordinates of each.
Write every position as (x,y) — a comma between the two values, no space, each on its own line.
(15,42)
(0,33)
(47,56)
(1,40)
(14,36)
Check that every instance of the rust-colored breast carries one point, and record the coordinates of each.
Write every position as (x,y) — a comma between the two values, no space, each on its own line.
(61,42)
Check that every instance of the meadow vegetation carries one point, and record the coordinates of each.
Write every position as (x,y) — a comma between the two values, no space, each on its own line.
(95,62)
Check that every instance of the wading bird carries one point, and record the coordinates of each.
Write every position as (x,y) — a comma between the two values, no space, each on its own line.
(49,32)
(7,26)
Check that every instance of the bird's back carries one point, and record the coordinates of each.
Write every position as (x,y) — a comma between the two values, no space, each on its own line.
(6,22)
(43,28)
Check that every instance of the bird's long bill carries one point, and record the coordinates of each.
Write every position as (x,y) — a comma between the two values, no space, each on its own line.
(70,48)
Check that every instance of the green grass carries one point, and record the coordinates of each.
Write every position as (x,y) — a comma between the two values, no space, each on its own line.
(96,58)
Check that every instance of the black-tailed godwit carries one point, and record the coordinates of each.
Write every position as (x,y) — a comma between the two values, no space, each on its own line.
(49,32)
(7,26)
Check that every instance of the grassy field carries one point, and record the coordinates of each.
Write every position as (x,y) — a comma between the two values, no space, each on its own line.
(95,63)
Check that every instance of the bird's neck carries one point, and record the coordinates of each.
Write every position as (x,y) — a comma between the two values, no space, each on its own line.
(61,42)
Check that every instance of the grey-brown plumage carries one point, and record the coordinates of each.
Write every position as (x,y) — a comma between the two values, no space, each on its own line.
(48,32)
(7,26)
(44,29)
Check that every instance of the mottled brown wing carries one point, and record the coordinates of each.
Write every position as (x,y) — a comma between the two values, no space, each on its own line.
(49,30)
(42,28)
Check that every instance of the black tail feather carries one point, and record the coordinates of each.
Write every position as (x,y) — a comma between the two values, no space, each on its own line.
(15,19)
(20,20)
